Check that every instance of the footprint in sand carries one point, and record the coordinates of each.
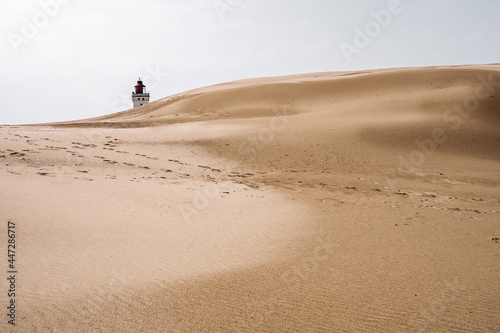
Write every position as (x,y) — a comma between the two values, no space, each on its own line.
(87,179)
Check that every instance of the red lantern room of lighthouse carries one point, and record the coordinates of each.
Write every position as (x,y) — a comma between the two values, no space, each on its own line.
(140,97)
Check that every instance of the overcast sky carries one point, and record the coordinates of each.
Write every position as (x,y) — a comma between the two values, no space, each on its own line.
(72,59)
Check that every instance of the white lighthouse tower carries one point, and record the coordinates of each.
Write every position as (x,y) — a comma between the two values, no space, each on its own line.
(140,97)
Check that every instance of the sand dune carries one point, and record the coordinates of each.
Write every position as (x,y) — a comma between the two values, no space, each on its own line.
(327,202)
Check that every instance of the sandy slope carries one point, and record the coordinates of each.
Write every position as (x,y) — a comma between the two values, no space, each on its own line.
(328,202)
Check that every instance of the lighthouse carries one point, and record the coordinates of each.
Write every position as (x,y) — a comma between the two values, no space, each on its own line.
(139,96)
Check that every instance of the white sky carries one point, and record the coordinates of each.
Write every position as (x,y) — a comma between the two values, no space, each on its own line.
(86,56)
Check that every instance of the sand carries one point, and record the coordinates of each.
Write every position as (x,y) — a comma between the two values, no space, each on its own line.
(328,202)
